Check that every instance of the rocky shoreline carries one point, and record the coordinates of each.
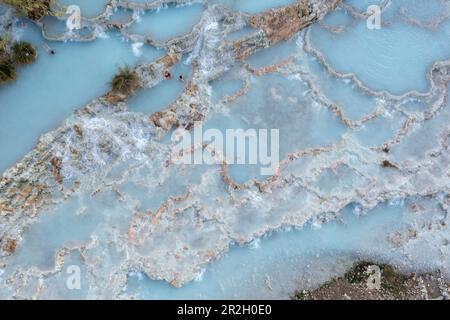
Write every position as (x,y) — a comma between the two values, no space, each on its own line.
(356,285)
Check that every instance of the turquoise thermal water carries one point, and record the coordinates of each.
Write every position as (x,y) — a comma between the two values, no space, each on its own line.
(169,22)
(48,91)
(396,59)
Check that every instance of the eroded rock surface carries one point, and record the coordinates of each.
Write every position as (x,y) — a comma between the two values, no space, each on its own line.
(113,166)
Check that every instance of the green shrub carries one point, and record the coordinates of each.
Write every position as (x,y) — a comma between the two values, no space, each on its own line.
(126,81)
(357,273)
(7,71)
(33,9)
(23,53)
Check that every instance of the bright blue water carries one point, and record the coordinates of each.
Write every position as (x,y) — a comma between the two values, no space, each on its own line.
(301,125)
(395,58)
(121,15)
(167,23)
(242,33)
(273,55)
(48,91)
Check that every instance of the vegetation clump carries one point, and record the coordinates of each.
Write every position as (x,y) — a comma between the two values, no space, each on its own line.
(32,9)
(354,285)
(23,53)
(388,164)
(7,70)
(3,44)
(125,82)
(358,273)
(392,281)
(20,53)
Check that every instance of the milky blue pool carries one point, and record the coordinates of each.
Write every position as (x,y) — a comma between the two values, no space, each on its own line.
(294,250)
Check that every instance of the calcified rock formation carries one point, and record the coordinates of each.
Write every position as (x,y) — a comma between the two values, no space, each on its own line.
(18,185)
(104,155)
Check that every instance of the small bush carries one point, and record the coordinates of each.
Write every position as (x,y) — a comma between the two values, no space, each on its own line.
(3,55)
(126,81)
(33,9)
(7,71)
(3,46)
(23,53)
(19,53)
(388,164)
(393,281)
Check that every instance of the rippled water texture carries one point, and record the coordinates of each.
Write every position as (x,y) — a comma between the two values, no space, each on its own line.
(88,182)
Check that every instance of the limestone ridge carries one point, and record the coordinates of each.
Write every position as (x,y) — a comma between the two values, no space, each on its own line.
(104,145)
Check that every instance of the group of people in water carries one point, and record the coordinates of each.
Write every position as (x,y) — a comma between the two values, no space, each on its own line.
(52,52)
(168,76)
